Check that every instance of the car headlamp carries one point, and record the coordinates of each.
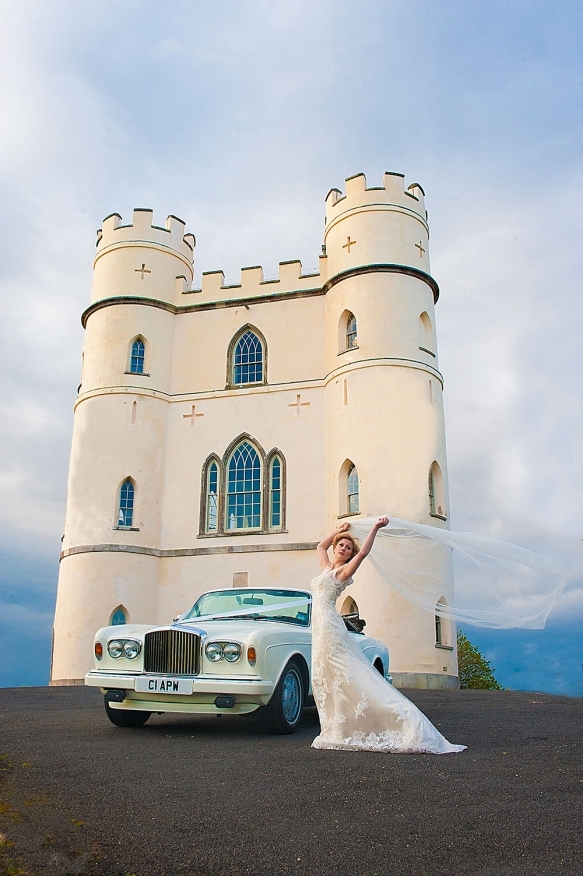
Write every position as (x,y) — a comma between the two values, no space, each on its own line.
(214,652)
(131,649)
(231,652)
(123,648)
(115,648)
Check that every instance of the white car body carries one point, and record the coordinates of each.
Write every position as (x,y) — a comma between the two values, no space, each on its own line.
(172,671)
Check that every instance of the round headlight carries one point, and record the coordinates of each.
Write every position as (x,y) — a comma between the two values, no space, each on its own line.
(214,652)
(131,649)
(115,648)
(232,652)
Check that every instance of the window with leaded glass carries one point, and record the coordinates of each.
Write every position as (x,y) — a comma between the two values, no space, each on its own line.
(248,359)
(275,494)
(243,510)
(352,490)
(126,505)
(212,498)
(118,618)
(351,332)
(137,357)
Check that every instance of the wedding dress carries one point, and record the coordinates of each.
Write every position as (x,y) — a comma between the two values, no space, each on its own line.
(358,709)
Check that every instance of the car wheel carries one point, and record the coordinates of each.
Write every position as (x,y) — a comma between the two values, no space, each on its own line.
(125,717)
(283,712)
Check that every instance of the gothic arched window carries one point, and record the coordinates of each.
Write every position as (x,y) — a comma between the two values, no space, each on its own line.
(118,617)
(426,334)
(125,513)
(275,490)
(436,492)
(244,493)
(137,356)
(244,490)
(352,491)
(212,497)
(351,332)
(247,359)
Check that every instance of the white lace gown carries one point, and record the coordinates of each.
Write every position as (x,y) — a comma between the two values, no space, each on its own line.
(358,709)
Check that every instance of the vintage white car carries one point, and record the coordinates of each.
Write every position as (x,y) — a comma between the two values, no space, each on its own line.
(235,651)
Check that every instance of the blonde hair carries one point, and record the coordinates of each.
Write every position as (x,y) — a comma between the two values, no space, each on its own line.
(355,545)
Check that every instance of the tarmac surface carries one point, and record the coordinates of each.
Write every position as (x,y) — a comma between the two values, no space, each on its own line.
(215,796)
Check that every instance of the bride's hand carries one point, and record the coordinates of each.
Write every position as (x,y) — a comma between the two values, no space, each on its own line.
(382,521)
(344,527)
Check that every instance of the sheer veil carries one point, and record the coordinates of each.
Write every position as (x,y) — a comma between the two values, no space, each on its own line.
(496,584)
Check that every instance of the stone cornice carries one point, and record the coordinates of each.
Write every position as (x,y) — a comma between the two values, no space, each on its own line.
(188,552)
(263,299)
(384,269)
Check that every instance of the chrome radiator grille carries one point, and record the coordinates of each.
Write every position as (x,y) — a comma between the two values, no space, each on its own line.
(172,652)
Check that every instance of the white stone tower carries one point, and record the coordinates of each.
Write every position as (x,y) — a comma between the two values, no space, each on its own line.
(384,398)
(349,400)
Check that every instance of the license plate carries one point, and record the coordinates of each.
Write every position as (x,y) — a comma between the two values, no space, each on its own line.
(156,684)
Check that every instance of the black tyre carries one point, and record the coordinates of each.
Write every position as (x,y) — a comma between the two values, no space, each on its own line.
(283,712)
(124,717)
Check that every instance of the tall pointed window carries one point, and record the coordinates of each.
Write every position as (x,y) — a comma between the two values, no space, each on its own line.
(352,490)
(137,357)
(275,493)
(436,492)
(126,505)
(351,332)
(248,359)
(212,498)
(244,489)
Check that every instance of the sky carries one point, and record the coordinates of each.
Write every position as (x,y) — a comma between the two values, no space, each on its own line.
(239,116)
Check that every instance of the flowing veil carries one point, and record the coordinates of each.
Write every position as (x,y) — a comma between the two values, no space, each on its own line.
(496,584)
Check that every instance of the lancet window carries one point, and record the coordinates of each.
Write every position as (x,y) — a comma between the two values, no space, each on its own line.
(243,491)
(125,514)
(118,617)
(247,358)
(137,356)
(436,492)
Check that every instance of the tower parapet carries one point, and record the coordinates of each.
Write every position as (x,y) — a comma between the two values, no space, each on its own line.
(383,225)
(142,259)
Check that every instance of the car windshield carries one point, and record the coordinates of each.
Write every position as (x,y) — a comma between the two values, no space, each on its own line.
(286,606)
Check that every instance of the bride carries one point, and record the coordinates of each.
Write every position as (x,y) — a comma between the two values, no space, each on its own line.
(358,709)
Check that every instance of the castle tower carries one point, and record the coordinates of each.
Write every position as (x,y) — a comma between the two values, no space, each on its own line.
(119,435)
(339,416)
(385,421)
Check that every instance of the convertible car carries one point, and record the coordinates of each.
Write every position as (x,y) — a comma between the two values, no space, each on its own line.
(235,651)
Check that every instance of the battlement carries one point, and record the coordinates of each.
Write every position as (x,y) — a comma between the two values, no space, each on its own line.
(253,283)
(391,192)
(142,230)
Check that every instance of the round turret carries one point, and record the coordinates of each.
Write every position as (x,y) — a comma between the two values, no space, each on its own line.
(386,435)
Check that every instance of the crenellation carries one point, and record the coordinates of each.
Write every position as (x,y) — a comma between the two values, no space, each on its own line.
(142,230)
(358,194)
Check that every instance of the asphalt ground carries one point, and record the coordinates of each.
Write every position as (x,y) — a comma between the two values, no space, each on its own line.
(217,796)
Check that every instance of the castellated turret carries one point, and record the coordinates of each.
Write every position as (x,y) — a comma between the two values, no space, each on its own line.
(324,385)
